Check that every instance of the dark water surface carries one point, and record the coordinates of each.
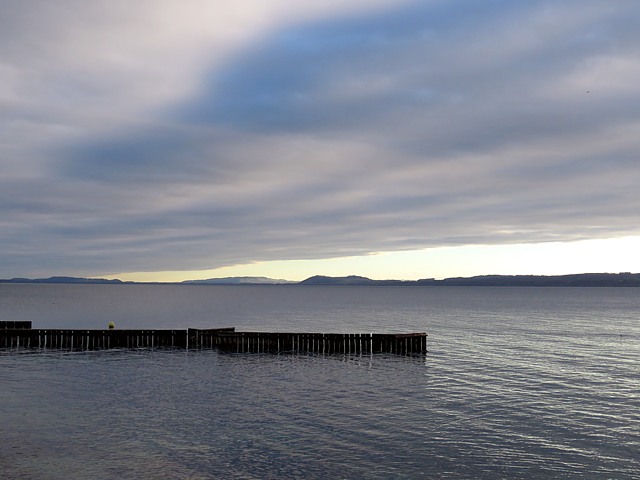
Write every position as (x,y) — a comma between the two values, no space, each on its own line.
(518,383)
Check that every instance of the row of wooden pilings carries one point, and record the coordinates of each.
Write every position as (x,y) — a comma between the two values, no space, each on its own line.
(319,343)
(92,339)
(222,339)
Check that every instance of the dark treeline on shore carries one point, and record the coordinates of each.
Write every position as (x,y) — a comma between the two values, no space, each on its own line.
(575,280)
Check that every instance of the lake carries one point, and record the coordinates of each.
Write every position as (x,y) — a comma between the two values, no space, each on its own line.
(518,383)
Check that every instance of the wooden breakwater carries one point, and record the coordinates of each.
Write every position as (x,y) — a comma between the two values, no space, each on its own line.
(19,325)
(222,339)
(76,339)
(228,340)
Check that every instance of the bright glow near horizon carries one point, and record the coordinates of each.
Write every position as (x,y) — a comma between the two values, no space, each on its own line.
(588,256)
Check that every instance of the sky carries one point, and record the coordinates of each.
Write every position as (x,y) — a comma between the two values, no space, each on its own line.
(162,140)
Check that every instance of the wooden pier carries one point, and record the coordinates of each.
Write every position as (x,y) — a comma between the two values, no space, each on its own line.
(226,340)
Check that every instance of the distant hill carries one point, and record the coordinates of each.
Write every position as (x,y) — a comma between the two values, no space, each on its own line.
(239,281)
(576,280)
(351,280)
(61,280)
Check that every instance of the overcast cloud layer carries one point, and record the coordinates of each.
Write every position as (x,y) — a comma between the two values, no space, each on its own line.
(162,135)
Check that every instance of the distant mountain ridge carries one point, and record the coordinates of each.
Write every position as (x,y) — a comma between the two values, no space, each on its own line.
(625,279)
(61,280)
(352,280)
(574,280)
(239,281)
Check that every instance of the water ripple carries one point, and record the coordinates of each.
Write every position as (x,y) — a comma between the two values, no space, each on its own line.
(515,385)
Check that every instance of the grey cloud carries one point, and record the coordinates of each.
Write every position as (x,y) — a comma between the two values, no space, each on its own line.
(432,125)
(144,157)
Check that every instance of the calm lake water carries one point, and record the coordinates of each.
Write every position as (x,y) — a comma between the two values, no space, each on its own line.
(518,383)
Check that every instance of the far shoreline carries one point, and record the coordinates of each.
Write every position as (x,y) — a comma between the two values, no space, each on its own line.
(625,279)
